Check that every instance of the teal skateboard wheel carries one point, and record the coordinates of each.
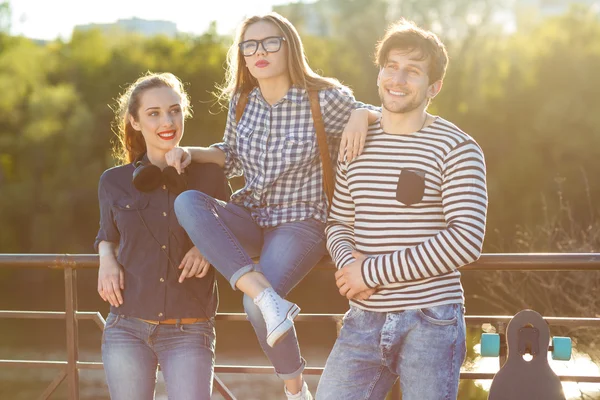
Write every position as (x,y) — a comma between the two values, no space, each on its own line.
(490,345)
(561,348)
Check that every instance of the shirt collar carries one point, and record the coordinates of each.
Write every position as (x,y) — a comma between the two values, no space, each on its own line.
(295,94)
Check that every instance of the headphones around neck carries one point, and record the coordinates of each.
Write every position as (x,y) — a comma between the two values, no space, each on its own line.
(147,177)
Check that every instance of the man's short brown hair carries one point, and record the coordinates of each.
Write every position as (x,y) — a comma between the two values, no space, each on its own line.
(407,36)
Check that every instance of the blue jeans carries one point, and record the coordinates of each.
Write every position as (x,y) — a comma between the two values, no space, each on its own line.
(228,237)
(132,349)
(424,348)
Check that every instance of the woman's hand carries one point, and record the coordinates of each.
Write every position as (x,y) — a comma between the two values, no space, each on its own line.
(354,135)
(179,158)
(111,280)
(193,264)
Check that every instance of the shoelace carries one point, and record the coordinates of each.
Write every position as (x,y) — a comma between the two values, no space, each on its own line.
(271,305)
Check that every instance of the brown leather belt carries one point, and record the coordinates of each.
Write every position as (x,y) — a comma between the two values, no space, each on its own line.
(175,321)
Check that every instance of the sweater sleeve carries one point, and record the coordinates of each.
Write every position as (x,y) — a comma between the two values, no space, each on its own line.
(340,224)
(464,205)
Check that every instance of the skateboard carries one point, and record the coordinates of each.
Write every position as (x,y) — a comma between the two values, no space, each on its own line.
(530,377)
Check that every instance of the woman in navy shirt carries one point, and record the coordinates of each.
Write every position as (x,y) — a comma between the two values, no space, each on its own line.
(157,316)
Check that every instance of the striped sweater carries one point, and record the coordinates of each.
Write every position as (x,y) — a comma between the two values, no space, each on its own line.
(415,205)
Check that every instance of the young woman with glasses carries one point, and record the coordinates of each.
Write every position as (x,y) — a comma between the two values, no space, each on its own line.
(280,213)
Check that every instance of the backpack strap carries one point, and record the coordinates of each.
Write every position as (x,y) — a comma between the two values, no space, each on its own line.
(328,179)
(241,105)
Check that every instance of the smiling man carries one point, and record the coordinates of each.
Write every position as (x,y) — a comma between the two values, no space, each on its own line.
(406,214)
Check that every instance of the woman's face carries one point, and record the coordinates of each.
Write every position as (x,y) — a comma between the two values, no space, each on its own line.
(265,63)
(160,118)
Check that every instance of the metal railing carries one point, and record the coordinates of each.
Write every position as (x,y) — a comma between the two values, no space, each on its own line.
(69,369)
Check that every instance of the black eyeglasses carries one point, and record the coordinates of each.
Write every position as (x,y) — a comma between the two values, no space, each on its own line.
(271,44)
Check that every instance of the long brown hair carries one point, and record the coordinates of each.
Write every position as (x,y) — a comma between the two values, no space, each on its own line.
(238,78)
(131,144)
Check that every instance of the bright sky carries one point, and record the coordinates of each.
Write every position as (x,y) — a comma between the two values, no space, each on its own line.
(49,19)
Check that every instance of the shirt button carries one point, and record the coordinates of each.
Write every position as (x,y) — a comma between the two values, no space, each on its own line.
(162,279)
(163,247)
(127,206)
(164,214)
(164,187)
(160,314)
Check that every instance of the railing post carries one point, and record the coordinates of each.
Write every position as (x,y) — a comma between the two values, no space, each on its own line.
(72,331)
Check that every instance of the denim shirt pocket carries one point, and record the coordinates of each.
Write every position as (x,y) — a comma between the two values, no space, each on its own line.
(127,212)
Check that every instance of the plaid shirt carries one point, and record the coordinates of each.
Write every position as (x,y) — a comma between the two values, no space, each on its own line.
(275,148)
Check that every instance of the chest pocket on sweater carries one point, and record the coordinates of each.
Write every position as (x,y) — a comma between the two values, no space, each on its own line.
(411,186)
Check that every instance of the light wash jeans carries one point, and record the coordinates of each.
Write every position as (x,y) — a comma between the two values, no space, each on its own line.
(132,348)
(228,237)
(424,348)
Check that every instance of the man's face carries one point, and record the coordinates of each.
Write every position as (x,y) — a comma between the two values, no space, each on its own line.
(403,82)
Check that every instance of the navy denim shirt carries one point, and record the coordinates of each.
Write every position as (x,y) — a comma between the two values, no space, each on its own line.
(152,290)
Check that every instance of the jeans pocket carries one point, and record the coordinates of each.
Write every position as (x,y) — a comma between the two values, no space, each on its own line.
(352,312)
(443,315)
(111,321)
(201,329)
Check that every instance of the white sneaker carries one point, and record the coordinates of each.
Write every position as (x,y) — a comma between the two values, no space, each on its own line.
(303,394)
(278,314)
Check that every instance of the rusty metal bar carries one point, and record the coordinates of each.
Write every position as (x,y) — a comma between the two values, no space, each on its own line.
(223,389)
(470,319)
(536,262)
(53,261)
(99,320)
(563,378)
(53,385)
(233,369)
(241,369)
(552,321)
(72,332)
(32,364)
(81,315)
(487,262)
